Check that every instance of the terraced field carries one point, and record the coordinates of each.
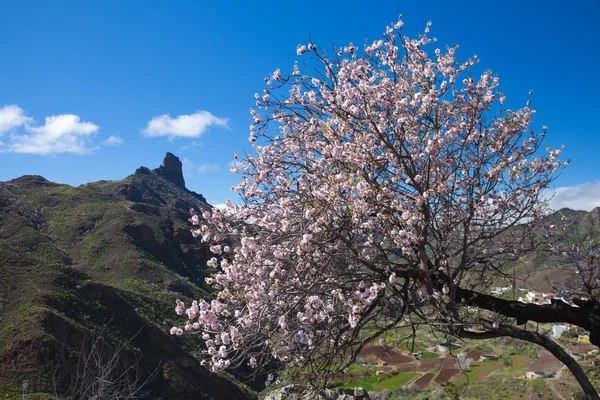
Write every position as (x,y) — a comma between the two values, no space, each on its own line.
(423,382)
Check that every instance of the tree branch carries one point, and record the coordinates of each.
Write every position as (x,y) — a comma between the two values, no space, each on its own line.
(556,312)
(548,344)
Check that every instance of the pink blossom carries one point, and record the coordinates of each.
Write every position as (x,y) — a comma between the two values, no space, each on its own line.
(216,249)
(301,49)
(179,309)
(253,363)
(392,279)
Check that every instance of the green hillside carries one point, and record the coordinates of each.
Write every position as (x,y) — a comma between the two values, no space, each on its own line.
(103,260)
(541,270)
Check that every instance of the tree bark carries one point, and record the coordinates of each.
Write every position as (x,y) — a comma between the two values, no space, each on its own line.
(587,317)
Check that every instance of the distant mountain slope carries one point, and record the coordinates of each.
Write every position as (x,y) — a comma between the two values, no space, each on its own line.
(108,254)
(541,270)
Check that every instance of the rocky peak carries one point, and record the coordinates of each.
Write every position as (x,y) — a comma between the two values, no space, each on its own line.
(171,169)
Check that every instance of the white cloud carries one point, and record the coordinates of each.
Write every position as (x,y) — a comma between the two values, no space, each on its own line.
(585,196)
(188,126)
(11,117)
(204,168)
(64,133)
(114,141)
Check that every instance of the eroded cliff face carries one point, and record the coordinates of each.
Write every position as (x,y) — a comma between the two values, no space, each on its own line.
(102,263)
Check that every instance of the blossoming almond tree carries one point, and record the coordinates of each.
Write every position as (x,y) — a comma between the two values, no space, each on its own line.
(388,188)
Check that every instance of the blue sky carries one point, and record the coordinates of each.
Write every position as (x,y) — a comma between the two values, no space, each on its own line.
(107,68)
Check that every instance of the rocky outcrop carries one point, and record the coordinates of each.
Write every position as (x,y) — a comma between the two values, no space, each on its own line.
(144,237)
(171,170)
(131,192)
(298,392)
(160,186)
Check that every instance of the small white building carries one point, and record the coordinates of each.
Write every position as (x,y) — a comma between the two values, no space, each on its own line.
(535,374)
(557,330)
(533,294)
(539,298)
(500,290)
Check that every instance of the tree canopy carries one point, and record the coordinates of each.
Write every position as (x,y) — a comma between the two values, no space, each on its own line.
(388,188)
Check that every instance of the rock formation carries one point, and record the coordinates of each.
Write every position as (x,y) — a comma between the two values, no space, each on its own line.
(171,169)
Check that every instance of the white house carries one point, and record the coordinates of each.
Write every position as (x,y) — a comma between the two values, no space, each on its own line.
(500,290)
(535,374)
(557,330)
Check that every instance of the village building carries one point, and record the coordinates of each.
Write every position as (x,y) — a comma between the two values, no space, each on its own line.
(557,330)
(583,338)
(535,374)
(501,290)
